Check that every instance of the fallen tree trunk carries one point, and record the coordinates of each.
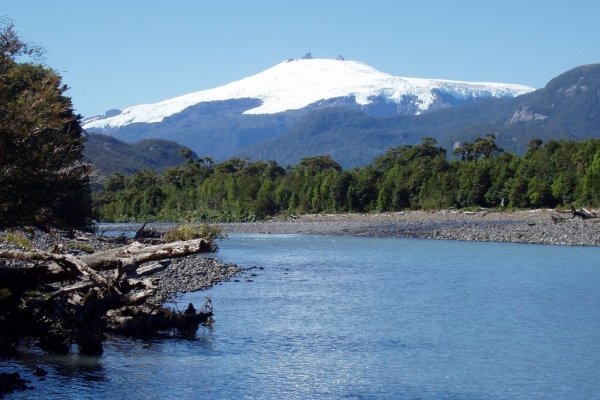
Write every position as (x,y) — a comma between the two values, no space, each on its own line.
(131,256)
(136,320)
(581,213)
(68,261)
(105,290)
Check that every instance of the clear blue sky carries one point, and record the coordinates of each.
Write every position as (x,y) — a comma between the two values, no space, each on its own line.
(115,54)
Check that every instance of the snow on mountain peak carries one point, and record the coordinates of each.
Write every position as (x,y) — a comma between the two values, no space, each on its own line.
(296,83)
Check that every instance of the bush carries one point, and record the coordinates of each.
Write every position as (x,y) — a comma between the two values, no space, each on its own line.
(17,238)
(190,232)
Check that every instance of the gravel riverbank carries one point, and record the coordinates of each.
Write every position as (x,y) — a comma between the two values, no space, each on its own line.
(536,226)
(184,274)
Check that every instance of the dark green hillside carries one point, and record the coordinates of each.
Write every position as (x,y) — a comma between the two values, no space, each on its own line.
(350,136)
(110,155)
(217,128)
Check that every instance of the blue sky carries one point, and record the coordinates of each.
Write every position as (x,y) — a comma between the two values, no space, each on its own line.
(115,54)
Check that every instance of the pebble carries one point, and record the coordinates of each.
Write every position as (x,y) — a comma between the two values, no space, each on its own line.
(534,226)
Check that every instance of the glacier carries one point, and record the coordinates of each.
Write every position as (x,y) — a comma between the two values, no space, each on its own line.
(296,83)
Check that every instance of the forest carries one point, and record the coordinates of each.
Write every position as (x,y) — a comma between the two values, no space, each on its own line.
(411,177)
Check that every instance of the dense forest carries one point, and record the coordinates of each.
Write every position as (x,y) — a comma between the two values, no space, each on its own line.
(424,176)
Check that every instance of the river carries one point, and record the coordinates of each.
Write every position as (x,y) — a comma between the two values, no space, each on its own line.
(364,318)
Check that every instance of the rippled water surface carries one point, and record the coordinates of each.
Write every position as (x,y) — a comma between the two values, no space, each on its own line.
(362,318)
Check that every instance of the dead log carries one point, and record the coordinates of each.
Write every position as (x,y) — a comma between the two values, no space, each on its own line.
(581,213)
(121,239)
(78,312)
(66,260)
(140,320)
(150,269)
(129,257)
(149,233)
(30,276)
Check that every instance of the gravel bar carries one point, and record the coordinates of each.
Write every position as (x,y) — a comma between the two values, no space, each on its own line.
(535,226)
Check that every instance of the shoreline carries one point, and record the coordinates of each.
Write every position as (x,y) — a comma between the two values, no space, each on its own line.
(530,227)
(181,275)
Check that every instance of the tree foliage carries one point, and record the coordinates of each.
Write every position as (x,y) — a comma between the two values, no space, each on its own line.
(42,176)
(405,177)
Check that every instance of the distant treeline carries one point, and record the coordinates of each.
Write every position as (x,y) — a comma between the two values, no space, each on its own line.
(556,173)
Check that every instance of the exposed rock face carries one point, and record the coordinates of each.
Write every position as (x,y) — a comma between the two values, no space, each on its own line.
(572,90)
(526,114)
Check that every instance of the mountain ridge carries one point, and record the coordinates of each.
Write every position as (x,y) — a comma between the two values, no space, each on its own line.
(568,107)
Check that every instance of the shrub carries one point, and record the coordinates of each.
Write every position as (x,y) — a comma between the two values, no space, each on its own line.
(18,239)
(189,232)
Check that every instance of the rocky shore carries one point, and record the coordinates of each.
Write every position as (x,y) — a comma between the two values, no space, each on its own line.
(191,274)
(185,274)
(45,298)
(535,226)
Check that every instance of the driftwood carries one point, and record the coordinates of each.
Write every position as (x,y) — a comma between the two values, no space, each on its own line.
(95,292)
(129,257)
(581,213)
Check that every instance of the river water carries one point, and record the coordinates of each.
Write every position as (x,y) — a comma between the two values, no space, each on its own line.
(364,318)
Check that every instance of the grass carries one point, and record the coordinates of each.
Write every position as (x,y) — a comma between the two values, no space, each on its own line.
(17,238)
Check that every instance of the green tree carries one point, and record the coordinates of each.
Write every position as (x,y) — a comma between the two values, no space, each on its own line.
(320,163)
(486,146)
(591,182)
(43,178)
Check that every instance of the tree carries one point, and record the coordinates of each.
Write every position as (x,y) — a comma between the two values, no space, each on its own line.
(482,147)
(464,150)
(534,145)
(486,146)
(43,178)
(320,163)
(591,182)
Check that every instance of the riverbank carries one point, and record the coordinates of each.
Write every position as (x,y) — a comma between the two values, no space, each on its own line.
(181,275)
(535,226)
(61,289)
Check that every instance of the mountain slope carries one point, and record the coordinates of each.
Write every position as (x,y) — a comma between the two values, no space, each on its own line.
(110,155)
(567,108)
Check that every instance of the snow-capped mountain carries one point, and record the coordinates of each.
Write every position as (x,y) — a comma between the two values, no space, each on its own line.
(298,83)
(349,110)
